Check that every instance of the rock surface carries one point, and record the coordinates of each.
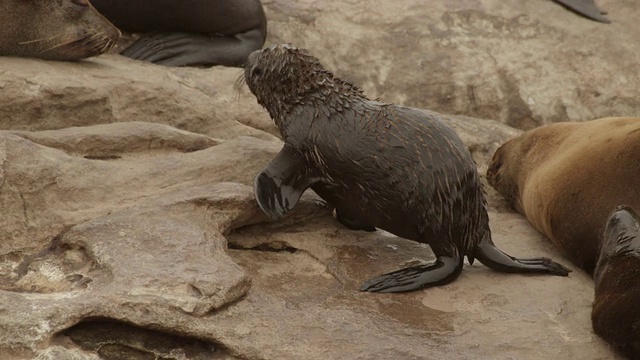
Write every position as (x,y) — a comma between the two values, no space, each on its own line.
(129,229)
(524,63)
(124,255)
(41,95)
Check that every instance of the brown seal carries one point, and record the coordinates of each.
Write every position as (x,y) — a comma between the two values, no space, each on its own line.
(616,311)
(54,29)
(567,177)
(189,33)
(380,165)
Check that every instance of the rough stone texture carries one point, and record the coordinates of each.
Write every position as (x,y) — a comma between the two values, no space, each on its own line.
(127,258)
(122,236)
(524,62)
(41,95)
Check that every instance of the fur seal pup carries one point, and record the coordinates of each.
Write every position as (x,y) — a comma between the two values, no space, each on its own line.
(567,177)
(616,314)
(586,8)
(54,29)
(189,33)
(380,165)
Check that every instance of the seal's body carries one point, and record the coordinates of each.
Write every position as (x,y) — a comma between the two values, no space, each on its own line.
(616,314)
(566,178)
(54,30)
(194,33)
(380,165)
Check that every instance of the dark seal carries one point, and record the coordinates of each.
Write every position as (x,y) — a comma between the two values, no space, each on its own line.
(380,165)
(616,310)
(54,29)
(189,33)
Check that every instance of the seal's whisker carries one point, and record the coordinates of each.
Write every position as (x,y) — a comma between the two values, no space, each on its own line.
(238,84)
(57,46)
(89,39)
(39,40)
(108,44)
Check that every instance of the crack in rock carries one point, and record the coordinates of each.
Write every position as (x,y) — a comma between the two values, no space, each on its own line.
(112,339)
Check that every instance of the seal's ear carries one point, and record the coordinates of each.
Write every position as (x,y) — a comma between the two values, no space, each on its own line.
(278,187)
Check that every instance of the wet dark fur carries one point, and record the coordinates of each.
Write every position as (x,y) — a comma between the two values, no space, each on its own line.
(54,29)
(415,178)
(616,309)
(382,165)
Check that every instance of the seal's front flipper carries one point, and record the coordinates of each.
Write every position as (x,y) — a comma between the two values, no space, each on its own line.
(192,49)
(352,223)
(443,271)
(278,187)
(586,8)
(488,254)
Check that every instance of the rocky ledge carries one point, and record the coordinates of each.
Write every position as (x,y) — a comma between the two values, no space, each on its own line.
(129,227)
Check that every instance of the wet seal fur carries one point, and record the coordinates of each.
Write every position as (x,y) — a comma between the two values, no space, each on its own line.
(54,29)
(567,177)
(380,165)
(616,314)
(189,33)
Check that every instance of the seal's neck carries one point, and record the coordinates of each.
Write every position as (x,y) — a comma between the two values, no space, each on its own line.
(324,96)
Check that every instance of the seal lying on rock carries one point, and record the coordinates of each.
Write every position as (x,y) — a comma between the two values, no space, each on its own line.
(616,314)
(566,178)
(188,33)
(54,29)
(380,165)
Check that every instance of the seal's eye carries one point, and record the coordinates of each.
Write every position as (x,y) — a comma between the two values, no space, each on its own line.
(256,71)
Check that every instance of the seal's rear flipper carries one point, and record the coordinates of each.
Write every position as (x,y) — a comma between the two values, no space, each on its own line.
(443,271)
(488,254)
(278,187)
(586,8)
(191,49)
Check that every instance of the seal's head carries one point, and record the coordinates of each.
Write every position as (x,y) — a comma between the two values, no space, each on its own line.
(502,171)
(517,158)
(54,29)
(282,77)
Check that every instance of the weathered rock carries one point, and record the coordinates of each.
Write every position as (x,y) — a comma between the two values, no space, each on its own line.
(44,95)
(127,258)
(523,62)
(114,236)
(44,191)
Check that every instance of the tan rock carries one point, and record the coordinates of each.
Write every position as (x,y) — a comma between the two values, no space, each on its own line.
(524,63)
(46,95)
(128,257)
